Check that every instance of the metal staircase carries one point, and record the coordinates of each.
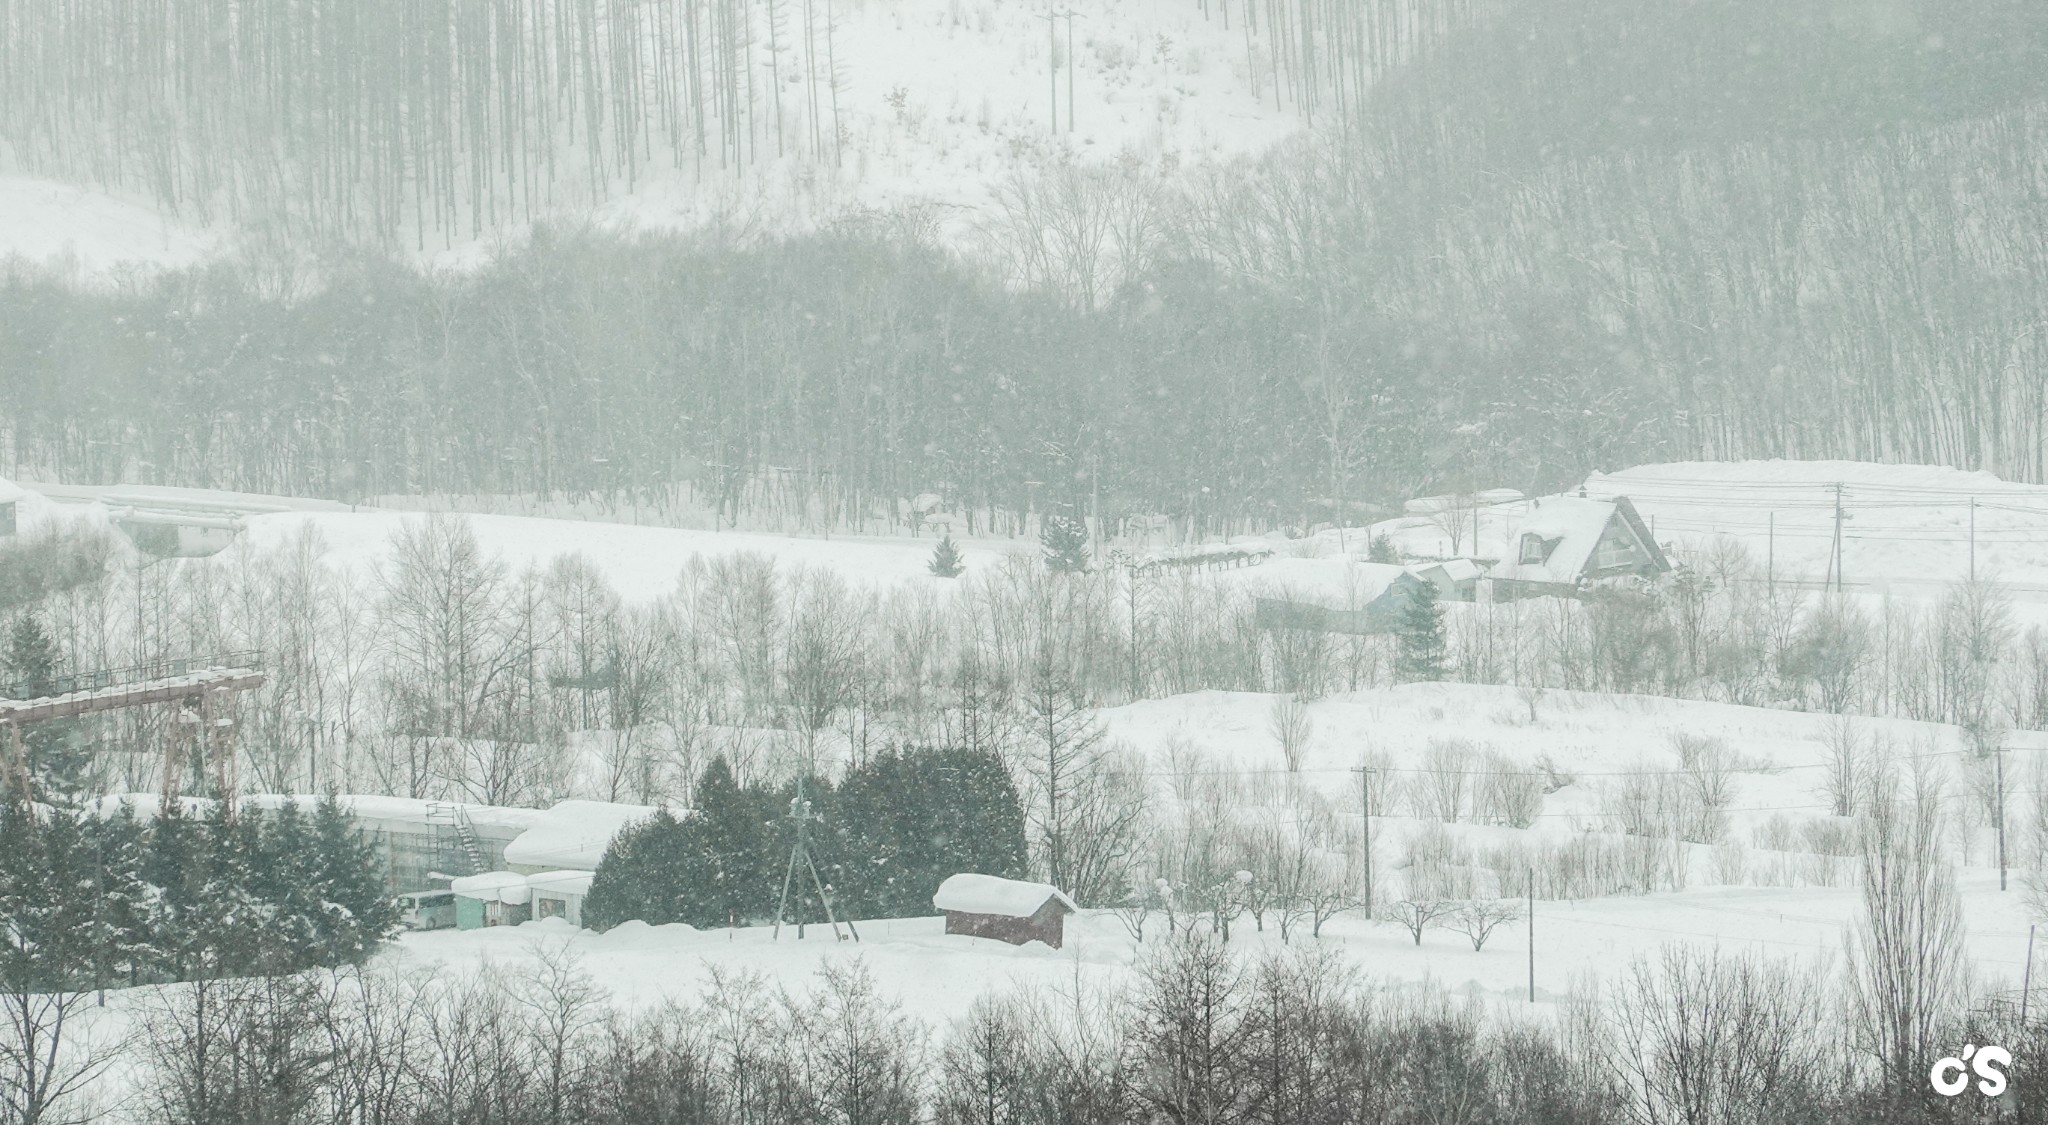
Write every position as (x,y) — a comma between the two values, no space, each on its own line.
(456,817)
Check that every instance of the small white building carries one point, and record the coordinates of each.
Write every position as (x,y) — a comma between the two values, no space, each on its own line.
(560,894)
(494,898)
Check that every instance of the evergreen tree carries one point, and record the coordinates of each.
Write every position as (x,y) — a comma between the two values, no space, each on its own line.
(120,943)
(31,659)
(638,878)
(1065,541)
(172,867)
(906,820)
(946,561)
(731,853)
(285,878)
(357,912)
(1420,628)
(59,761)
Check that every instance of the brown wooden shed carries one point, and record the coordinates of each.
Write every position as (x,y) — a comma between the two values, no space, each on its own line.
(1010,910)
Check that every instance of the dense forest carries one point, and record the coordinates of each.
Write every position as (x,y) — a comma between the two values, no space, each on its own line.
(1517,265)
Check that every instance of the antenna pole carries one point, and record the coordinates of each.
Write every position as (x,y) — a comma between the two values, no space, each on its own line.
(801,816)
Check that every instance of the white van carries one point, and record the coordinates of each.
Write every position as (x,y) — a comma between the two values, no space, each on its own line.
(426,910)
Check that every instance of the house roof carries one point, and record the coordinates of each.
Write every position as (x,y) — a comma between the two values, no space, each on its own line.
(1576,524)
(508,887)
(10,492)
(988,894)
(1454,570)
(561,882)
(1333,583)
(573,834)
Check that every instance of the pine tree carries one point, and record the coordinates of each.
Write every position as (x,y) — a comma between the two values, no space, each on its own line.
(31,660)
(730,854)
(1065,541)
(637,878)
(357,911)
(1420,627)
(946,561)
(908,819)
(59,761)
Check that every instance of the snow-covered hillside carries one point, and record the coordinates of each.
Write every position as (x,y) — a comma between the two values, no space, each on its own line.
(85,234)
(935,102)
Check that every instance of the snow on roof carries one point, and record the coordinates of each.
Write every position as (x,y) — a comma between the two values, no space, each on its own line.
(988,894)
(1576,522)
(562,882)
(1455,570)
(147,806)
(508,887)
(573,834)
(10,492)
(1337,582)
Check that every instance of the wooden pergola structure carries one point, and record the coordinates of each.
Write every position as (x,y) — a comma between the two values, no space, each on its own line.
(203,692)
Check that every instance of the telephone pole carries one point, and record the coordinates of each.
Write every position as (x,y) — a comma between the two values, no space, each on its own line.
(1069,13)
(1052,63)
(1835,563)
(801,815)
(2000,751)
(1365,816)
(1973,538)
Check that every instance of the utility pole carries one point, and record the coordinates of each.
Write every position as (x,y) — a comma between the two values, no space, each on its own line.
(1973,539)
(802,817)
(1532,934)
(2000,751)
(1069,13)
(1365,816)
(1771,555)
(1835,563)
(2027,977)
(1052,63)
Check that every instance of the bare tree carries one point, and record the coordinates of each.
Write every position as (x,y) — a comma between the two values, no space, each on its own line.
(1478,918)
(1417,915)
(1699,1039)
(54,1050)
(1291,726)
(1906,962)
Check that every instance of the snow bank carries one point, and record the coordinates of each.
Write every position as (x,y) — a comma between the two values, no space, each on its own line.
(988,894)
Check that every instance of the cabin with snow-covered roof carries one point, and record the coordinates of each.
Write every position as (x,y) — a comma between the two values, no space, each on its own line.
(1567,544)
(1010,910)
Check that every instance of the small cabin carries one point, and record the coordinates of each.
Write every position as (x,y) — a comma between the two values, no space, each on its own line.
(1009,910)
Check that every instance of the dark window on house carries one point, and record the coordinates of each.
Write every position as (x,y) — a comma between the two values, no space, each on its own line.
(1534,549)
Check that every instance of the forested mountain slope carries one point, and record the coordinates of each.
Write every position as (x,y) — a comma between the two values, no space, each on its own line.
(1554,239)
